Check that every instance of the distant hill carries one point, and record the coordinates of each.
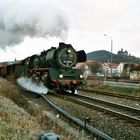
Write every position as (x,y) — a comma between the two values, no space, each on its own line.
(104,56)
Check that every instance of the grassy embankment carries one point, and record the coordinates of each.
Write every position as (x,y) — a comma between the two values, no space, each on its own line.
(122,90)
(15,122)
(22,118)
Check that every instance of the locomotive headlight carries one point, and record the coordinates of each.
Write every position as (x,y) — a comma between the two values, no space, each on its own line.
(69,50)
(61,76)
(81,76)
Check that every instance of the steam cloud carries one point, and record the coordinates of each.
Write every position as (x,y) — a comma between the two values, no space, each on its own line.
(31,18)
(28,84)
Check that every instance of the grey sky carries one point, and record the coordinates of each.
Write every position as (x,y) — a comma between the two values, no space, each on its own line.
(86,22)
(91,19)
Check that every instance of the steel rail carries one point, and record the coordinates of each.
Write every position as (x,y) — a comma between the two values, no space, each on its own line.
(91,129)
(106,110)
(113,94)
(120,106)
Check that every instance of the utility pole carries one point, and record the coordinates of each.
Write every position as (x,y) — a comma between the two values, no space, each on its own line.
(111,50)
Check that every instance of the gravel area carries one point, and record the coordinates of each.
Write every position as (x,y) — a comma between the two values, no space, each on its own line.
(118,129)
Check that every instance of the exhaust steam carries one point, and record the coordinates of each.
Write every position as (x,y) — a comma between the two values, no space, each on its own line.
(28,84)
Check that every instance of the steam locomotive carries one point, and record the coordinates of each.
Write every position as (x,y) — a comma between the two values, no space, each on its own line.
(55,68)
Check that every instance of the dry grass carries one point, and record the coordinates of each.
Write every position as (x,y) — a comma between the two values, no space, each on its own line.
(21,119)
(15,122)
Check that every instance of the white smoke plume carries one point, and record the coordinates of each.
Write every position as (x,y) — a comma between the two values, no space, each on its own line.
(33,18)
(28,84)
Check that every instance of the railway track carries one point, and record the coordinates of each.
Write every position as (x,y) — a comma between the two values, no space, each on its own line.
(96,133)
(118,95)
(121,111)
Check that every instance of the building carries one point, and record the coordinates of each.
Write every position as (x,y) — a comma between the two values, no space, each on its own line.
(120,68)
(121,52)
(90,67)
(110,68)
(94,68)
(135,75)
(135,71)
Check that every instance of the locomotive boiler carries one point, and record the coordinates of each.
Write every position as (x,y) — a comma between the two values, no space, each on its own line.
(55,68)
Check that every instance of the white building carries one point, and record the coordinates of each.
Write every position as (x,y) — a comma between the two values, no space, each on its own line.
(109,68)
(135,75)
(120,68)
(106,68)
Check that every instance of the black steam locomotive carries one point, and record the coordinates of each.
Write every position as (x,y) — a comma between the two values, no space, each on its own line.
(55,68)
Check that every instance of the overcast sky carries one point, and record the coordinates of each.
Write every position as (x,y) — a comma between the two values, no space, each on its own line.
(30,26)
